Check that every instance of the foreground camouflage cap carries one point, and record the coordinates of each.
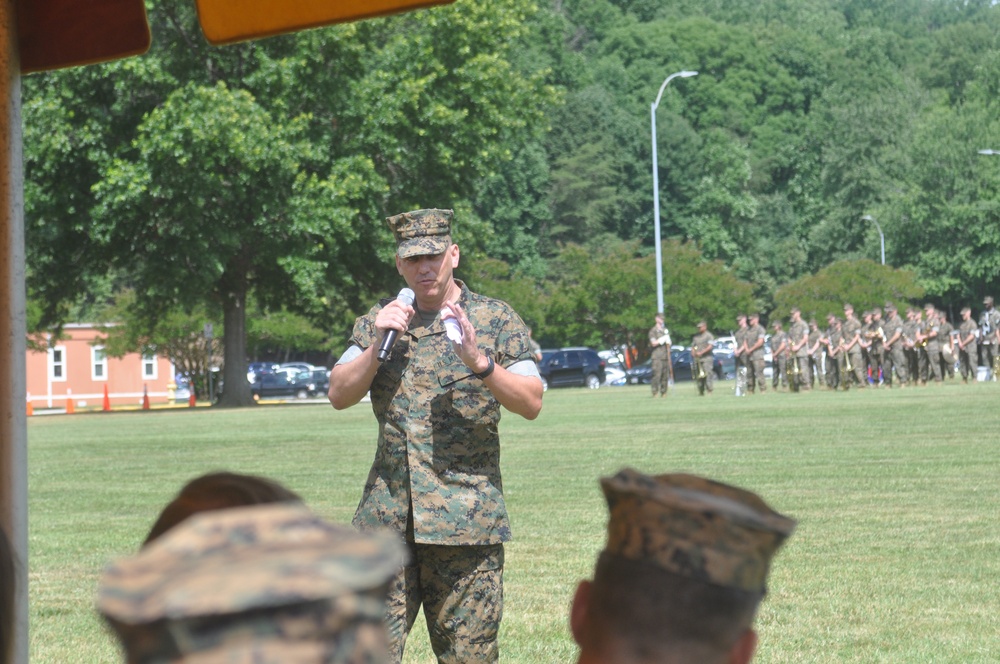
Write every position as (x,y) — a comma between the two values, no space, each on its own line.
(265,584)
(421,232)
(694,527)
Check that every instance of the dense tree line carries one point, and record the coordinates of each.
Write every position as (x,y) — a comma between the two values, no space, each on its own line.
(254,177)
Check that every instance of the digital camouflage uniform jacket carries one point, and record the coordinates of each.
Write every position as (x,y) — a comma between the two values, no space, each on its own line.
(438,444)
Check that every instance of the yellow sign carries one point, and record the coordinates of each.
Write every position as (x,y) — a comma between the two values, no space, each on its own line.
(226,21)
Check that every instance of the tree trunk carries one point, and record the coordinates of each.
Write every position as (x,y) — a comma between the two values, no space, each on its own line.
(236,390)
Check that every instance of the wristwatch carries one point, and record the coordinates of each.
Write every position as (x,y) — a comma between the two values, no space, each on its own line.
(487,371)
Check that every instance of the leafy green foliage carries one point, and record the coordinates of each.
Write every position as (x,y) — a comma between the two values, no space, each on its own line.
(863,283)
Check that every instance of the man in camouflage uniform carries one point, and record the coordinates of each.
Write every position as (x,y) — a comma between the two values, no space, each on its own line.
(968,357)
(989,335)
(682,574)
(876,350)
(740,354)
(436,475)
(851,330)
(831,341)
(798,345)
(911,330)
(659,341)
(946,334)
(269,584)
(756,335)
(702,359)
(779,356)
(815,353)
(894,359)
(930,336)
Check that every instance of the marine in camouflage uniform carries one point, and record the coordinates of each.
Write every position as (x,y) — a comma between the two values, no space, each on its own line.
(831,341)
(932,343)
(269,584)
(701,356)
(779,356)
(740,354)
(911,329)
(851,330)
(798,345)
(893,356)
(946,334)
(436,475)
(968,357)
(659,341)
(682,574)
(815,353)
(989,335)
(876,351)
(755,337)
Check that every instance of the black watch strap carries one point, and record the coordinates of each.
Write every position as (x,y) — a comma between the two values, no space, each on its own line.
(488,370)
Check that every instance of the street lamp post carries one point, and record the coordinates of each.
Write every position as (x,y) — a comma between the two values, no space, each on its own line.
(881,237)
(656,189)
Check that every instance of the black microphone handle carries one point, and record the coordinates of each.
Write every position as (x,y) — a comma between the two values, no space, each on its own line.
(387,341)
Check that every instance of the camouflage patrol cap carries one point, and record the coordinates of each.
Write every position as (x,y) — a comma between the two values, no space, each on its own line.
(889,306)
(694,527)
(421,232)
(272,584)
(988,300)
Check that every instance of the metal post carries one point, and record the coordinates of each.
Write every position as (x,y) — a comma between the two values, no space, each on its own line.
(656,190)
(13,334)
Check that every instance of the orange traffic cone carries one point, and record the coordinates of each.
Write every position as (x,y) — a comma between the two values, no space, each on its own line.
(191,399)
(107,400)
(69,402)
(145,398)
(31,408)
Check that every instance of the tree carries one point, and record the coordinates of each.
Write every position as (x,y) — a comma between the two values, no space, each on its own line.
(863,283)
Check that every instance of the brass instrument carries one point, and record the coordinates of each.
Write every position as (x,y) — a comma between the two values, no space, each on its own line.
(700,374)
(996,367)
(795,373)
(845,369)
(881,334)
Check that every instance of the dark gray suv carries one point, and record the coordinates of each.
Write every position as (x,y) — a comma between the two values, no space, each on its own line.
(573,367)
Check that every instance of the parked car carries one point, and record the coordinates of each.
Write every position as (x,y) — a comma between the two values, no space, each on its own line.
(255,369)
(319,381)
(573,367)
(282,384)
(298,366)
(681,359)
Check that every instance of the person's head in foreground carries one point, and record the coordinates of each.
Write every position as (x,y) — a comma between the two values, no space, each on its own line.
(215,491)
(269,584)
(682,575)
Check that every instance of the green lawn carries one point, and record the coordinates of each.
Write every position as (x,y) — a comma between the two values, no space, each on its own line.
(896,557)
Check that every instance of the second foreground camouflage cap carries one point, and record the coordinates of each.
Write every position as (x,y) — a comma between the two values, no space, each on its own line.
(694,527)
(265,584)
(421,232)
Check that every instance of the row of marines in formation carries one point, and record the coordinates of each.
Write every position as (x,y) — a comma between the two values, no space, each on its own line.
(880,349)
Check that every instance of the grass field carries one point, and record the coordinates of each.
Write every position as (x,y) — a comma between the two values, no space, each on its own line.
(896,557)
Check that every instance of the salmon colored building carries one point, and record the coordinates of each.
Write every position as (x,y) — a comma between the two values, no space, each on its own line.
(76,367)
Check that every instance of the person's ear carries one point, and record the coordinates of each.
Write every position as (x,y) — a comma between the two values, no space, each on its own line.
(744,648)
(578,612)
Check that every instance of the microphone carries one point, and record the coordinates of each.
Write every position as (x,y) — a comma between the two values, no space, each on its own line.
(406,297)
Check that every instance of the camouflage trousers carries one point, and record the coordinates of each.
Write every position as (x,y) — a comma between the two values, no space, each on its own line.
(968,361)
(988,351)
(461,590)
(755,374)
(661,375)
(894,359)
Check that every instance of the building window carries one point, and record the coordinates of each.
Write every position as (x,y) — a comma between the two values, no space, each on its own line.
(98,363)
(57,363)
(149,366)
